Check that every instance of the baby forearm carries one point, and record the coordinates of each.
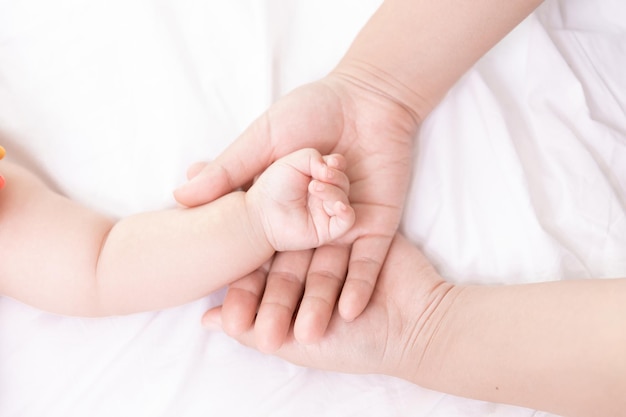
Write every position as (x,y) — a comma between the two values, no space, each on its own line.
(167,258)
(415,50)
(552,346)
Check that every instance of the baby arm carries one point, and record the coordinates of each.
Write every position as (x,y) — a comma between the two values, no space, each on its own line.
(69,259)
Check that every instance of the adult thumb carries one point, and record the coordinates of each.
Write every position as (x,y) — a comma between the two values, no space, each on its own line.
(245,158)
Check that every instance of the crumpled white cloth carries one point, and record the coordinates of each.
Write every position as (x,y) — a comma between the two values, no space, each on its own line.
(520,176)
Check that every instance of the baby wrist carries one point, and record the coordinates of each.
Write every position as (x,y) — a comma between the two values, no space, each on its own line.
(257,227)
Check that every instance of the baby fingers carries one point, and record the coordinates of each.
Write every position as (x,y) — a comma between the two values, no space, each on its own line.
(336,205)
(331,171)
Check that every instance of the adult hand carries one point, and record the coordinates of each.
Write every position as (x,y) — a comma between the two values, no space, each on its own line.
(389,337)
(533,345)
(337,114)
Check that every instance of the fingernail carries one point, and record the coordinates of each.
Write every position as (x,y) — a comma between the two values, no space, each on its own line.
(211,322)
(329,172)
(184,187)
(332,162)
(186,184)
(193,179)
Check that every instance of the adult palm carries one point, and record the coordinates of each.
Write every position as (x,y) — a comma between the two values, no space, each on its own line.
(338,114)
(390,337)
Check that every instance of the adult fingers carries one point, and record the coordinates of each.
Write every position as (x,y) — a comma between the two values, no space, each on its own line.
(277,299)
(323,285)
(283,290)
(290,350)
(366,261)
(242,302)
(375,342)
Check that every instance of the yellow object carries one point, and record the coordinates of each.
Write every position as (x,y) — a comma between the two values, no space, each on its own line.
(2,153)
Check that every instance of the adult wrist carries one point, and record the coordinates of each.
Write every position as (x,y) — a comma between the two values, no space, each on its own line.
(397,101)
(433,331)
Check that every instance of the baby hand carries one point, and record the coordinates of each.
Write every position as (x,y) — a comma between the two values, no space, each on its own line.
(302,200)
(329,206)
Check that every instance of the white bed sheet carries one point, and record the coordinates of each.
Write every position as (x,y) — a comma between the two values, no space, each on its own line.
(520,176)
